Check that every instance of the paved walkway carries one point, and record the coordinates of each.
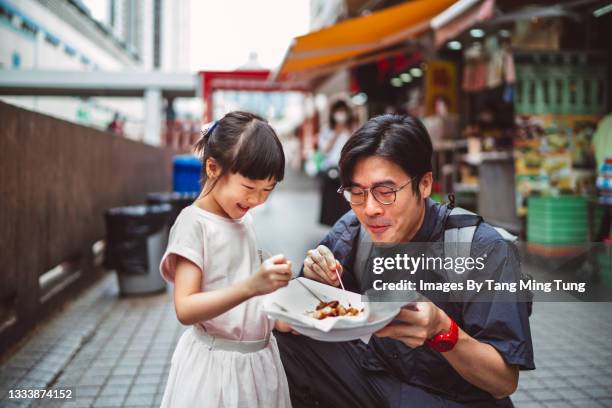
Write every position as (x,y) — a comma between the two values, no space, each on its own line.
(116,352)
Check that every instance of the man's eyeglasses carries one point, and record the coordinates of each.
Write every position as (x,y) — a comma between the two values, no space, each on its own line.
(383,194)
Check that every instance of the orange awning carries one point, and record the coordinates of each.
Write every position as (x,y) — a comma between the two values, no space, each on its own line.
(359,36)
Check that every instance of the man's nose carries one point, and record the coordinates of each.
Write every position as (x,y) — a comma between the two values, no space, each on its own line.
(372,207)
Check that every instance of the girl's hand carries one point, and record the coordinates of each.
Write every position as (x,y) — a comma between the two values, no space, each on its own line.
(274,273)
(320,265)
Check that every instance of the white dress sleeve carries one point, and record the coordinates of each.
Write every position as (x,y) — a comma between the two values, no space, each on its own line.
(187,239)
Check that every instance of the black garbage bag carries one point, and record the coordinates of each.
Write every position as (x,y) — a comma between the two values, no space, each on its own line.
(127,230)
(178,201)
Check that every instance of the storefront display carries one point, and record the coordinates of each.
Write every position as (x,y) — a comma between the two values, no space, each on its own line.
(553,158)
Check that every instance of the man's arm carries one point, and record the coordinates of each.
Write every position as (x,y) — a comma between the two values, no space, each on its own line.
(494,340)
(478,363)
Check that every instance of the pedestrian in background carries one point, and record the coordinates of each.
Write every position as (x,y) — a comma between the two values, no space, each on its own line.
(331,141)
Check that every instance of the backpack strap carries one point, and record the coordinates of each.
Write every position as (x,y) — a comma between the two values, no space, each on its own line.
(513,239)
(459,230)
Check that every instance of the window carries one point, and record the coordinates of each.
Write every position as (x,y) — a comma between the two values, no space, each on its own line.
(573,91)
(51,39)
(69,50)
(28,27)
(587,91)
(559,93)
(4,13)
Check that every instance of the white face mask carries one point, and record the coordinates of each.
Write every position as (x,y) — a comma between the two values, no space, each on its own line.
(340,117)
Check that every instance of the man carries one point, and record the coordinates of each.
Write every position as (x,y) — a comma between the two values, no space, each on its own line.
(444,353)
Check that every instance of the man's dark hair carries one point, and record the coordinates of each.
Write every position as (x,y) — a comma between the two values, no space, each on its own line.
(402,140)
(244,143)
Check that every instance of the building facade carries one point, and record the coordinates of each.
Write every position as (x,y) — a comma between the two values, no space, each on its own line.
(81,35)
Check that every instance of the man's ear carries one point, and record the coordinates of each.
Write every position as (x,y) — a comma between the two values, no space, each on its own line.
(426,184)
(213,169)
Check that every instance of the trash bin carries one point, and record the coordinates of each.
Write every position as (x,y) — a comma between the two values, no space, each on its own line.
(187,171)
(178,201)
(136,238)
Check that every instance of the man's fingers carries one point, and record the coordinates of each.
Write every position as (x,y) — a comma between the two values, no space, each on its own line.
(407,316)
(411,315)
(318,259)
(325,277)
(391,330)
(309,271)
(327,254)
(398,331)
(324,264)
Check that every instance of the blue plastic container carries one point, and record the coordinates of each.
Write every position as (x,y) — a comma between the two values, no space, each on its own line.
(186,175)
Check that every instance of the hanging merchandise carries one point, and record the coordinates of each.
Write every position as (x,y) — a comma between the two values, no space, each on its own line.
(475,71)
(495,63)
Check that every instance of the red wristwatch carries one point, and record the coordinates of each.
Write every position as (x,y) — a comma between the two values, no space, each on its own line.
(444,342)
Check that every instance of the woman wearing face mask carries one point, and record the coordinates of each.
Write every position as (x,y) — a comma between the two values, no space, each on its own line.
(331,141)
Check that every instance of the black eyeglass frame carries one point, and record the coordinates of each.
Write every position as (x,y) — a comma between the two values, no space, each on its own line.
(367,191)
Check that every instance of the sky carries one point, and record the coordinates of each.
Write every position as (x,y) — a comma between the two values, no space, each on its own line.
(223,33)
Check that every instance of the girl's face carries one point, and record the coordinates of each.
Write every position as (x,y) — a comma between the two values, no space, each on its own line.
(236,194)
(233,194)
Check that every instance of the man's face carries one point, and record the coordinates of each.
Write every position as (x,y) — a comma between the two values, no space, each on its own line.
(396,222)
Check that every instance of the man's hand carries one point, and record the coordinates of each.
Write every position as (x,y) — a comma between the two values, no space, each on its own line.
(418,323)
(320,265)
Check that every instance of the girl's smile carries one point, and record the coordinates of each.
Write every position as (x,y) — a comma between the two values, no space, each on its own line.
(244,209)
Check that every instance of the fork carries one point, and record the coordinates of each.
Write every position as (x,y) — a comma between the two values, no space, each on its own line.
(310,291)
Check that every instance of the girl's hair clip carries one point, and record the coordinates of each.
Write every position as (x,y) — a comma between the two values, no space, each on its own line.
(212,128)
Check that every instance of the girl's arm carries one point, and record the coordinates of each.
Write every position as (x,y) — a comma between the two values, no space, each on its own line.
(193,306)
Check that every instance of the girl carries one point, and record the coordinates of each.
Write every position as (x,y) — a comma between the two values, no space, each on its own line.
(228,358)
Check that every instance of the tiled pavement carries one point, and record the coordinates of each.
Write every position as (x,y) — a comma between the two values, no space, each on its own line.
(116,352)
(125,361)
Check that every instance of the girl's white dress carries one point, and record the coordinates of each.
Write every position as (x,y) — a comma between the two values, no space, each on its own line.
(226,251)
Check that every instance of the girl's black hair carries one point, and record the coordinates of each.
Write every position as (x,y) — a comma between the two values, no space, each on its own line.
(242,142)
(402,140)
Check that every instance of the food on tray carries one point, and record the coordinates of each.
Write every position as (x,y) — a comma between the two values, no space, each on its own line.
(333,309)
